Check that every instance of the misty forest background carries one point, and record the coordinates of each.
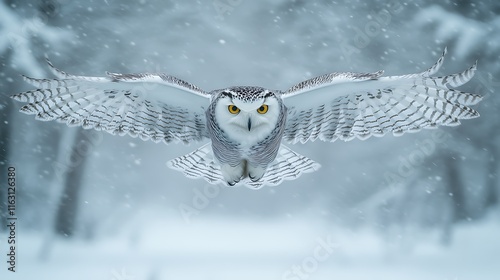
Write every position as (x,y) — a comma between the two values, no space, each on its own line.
(382,199)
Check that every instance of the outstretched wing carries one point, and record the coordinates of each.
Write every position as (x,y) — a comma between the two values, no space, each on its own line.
(358,105)
(152,106)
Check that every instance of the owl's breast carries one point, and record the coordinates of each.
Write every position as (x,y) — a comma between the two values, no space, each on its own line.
(248,138)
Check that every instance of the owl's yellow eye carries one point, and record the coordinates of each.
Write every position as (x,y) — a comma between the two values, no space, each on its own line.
(263,109)
(233,109)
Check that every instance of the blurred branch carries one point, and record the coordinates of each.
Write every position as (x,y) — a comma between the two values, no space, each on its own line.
(18,34)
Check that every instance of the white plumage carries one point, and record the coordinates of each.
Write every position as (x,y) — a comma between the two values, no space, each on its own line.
(246,125)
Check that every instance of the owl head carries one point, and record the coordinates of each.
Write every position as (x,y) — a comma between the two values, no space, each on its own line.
(244,112)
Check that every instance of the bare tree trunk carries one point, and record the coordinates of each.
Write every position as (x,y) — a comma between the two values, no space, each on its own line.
(455,192)
(67,212)
(492,182)
(456,188)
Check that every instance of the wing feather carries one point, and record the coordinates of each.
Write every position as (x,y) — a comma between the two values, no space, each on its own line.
(155,107)
(358,105)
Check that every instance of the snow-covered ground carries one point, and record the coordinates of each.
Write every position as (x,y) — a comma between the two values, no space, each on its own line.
(166,248)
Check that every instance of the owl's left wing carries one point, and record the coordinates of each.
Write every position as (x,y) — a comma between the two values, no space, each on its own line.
(155,107)
(358,105)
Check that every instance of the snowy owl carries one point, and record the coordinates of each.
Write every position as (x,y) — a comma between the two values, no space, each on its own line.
(246,125)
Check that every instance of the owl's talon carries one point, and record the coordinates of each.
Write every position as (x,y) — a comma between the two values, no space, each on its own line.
(254,179)
(256,173)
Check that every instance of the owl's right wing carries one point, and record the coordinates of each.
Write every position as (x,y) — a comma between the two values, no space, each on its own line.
(158,107)
(359,105)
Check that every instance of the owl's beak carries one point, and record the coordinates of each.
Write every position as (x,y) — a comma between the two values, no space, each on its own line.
(249,124)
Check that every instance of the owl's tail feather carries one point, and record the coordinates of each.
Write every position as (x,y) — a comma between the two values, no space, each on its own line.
(288,165)
(200,163)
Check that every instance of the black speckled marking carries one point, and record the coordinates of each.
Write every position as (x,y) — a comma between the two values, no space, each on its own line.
(247,93)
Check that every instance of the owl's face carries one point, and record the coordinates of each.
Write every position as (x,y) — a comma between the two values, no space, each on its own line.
(247,114)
